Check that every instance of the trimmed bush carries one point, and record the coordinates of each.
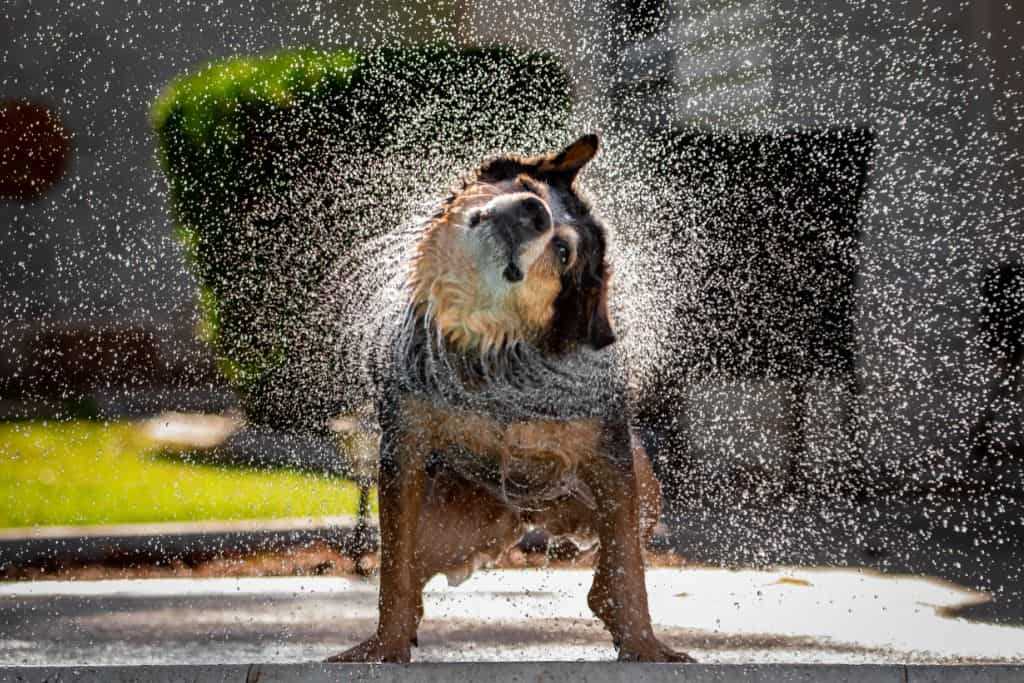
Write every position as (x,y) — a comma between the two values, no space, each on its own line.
(239,139)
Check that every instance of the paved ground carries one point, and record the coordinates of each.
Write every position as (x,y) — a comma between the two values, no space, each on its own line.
(521,672)
(720,616)
(972,541)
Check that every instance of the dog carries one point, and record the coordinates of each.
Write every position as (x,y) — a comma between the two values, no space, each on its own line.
(503,404)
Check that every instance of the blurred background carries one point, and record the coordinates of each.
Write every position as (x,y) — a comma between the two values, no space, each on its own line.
(818,233)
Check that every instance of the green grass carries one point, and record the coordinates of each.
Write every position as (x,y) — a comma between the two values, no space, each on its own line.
(94,473)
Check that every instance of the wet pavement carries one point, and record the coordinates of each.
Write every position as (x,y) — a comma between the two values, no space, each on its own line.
(719,616)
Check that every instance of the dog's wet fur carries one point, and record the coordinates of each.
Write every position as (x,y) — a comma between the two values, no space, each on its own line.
(512,267)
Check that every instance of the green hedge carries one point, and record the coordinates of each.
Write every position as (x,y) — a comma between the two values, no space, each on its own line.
(237,138)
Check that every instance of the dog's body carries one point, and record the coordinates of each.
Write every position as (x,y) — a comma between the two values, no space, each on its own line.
(503,404)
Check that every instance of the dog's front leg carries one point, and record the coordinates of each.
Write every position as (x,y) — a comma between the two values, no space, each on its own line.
(400,494)
(619,595)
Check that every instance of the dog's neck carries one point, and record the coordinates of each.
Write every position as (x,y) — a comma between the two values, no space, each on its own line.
(513,382)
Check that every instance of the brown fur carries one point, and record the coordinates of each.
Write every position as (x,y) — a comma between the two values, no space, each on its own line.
(446,285)
(435,519)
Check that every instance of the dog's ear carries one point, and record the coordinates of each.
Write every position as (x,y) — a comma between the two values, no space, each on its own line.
(581,314)
(600,333)
(570,160)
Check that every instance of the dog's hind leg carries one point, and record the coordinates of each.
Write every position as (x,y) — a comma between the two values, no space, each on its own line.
(648,494)
(462,527)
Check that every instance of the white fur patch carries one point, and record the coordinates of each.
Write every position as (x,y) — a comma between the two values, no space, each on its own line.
(491,261)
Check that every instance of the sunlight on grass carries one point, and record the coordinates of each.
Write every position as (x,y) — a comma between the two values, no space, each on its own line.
(95,473)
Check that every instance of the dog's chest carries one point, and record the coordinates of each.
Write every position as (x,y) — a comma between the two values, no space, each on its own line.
(571,441)
(527,460)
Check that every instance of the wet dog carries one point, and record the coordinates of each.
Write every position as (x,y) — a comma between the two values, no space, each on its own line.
(504,405)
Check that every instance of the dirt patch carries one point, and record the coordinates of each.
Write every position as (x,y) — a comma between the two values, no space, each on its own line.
(317,559)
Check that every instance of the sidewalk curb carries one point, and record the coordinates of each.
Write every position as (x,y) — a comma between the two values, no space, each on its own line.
(172,541)
(549,672)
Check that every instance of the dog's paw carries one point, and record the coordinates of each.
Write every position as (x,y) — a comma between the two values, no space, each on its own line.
(372,650)
(654,651)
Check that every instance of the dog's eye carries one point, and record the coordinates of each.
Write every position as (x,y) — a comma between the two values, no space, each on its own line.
(562,251)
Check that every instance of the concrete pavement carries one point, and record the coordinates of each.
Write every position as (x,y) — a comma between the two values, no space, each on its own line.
(548,672)
(783,615)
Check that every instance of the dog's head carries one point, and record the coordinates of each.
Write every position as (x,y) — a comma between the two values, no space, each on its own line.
(515,254)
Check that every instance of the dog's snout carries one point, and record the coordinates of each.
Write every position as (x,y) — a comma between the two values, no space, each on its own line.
(525,215)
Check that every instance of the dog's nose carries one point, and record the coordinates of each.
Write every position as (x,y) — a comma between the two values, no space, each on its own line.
(512,272)
(525,215)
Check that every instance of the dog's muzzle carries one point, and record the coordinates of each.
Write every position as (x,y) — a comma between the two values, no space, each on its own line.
(514,221)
